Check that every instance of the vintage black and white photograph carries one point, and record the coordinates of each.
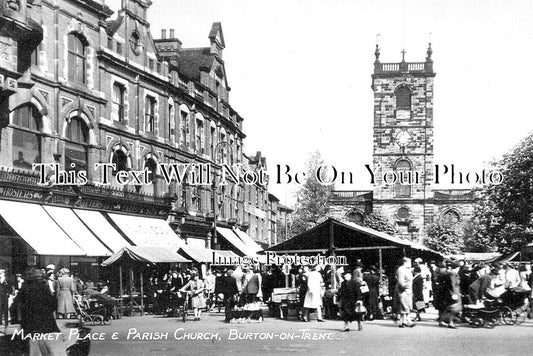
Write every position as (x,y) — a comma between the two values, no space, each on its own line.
(266,177)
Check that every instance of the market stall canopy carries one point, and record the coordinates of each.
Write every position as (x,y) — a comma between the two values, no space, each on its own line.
(236,241)
(99,225)
(33,224)
(145,254)
(347,236)
(477,256)
(145,231)
(205,255)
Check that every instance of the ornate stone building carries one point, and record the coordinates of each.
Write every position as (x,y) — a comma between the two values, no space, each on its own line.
(81,86)
(403,151)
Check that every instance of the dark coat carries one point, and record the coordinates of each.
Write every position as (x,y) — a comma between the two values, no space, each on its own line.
(5,290)
(227,286)
(418,289)
(38,306)
(252,287)
(372,281)
(349,293)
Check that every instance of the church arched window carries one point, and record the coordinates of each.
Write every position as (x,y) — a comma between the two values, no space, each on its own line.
(355,217)
(450,217)
(403,98)
(402,189)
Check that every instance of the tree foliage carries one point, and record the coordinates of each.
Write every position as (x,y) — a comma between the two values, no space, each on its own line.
(377,221)
(503,212)
(312,198)
(445,238)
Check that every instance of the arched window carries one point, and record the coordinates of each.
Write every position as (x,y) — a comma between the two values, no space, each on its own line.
(450,217)
(355,217)
(402,190)
(149,113)
(120,159)
(403,98)
(76,59)
(151,165)
(76,148)
(26,137)
(184,127)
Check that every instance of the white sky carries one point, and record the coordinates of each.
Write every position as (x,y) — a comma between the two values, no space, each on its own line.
(300,73)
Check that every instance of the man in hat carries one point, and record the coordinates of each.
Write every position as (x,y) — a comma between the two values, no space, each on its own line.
(4,298)
(50,273)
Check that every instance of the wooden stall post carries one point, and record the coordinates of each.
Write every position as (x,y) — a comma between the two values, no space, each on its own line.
(332,253)
(380,253)
(131,291)
(121,290)
(142,293)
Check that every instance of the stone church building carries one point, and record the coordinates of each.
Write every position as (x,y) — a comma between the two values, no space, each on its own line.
(402,146)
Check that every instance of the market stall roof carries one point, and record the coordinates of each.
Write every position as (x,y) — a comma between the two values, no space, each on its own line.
(33,224)
(477,256)
(347,237)
(145,231)
(204,255)
(145,254)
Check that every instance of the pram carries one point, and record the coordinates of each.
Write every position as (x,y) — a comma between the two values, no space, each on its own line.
(510,308)
(95,312)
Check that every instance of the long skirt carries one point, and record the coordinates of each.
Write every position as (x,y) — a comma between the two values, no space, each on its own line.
(65,303)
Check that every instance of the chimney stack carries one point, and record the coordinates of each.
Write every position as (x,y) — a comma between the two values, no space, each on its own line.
(163,34)
(171,33)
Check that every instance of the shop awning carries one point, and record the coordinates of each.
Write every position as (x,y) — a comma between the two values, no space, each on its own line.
(144,231)
(248,241)
(204,255)
(33,224)
(74,227)
(145,254)
(235,240)
(99,226)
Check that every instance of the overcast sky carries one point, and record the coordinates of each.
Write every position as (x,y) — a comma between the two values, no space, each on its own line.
(300,72)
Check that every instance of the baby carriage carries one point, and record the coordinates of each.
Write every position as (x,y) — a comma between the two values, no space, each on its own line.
(95,313)
(510,308)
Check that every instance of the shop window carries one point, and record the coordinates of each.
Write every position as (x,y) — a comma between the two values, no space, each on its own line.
(26,137)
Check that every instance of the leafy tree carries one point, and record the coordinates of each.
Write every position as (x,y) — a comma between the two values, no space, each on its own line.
(504,212)
(312,197)
(445,238)
(377,221)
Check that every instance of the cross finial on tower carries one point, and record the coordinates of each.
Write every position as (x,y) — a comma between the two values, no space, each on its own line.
(403,55)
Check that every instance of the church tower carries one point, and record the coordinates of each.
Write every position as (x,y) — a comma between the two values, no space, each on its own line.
(403,142)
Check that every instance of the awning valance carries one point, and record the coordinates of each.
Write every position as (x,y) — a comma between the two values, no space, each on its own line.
(144,231)
(76,229)
(145,254)
(33,224)
(99,226)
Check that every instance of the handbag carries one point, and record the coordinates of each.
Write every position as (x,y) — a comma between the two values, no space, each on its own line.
(420,305)
(364,288)
(360,308)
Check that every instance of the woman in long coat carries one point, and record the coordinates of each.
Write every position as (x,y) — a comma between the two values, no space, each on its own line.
(372,302)
(349,297)
(313,296)
(404,292)
(66,287)
(452,297)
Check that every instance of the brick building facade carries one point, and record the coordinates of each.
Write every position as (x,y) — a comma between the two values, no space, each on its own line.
(403,149)
(81,86)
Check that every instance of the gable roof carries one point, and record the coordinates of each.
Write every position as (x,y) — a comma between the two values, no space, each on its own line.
(194,59)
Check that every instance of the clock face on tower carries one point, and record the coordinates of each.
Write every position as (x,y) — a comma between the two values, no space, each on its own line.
(403,138)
